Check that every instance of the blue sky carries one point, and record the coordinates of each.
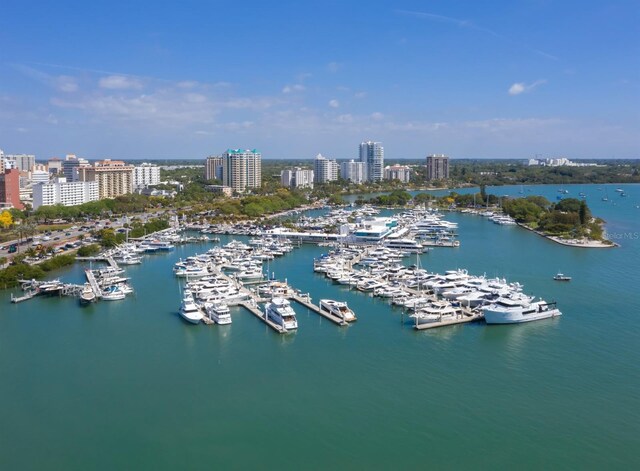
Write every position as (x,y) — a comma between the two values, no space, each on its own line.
(188,79)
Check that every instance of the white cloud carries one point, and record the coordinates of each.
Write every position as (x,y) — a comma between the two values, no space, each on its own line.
(360,94)
(345,119)
(377,116)
(67,84)
(521,87)
(120,82)
(334,103)
(293,88)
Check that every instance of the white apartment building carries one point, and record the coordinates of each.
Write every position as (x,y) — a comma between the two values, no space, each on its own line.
(372,154)
(145,175)
(65,193)
(39,176)
(397,172)
(297,178)
(325,170)
(354,171)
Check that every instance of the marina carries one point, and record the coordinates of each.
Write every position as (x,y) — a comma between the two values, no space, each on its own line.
(342,378)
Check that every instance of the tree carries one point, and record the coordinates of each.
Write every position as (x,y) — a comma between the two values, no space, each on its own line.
(584,213)
(6,219)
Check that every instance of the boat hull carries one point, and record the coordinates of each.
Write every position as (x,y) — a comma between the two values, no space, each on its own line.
(516,317)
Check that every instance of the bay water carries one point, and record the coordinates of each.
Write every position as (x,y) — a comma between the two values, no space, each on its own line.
(129,385)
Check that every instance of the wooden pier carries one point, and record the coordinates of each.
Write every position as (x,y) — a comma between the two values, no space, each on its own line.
(306,302)
(253,309)
(94,283)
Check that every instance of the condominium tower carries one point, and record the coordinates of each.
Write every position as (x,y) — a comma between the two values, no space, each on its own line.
(324,170)
(372,154)
(114,177)
(242,169)
(437,167)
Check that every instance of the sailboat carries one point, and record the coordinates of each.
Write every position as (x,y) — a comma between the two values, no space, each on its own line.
(605,197)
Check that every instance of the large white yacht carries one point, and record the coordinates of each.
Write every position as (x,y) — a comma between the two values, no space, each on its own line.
(189,311)
(338,308)
(408,245)
(219,312)
(436,311)
(280,311)
(514,311)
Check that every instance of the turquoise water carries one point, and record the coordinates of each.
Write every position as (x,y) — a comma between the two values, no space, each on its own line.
(127,384)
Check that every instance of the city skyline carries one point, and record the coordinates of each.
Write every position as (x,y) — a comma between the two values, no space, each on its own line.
(509,81)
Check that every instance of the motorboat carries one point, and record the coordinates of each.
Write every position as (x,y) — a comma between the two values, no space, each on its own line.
(189,310)
(513,311)
(87,295)
(280,311)
(338,308)
(219,312)
(562,277)
(113,293)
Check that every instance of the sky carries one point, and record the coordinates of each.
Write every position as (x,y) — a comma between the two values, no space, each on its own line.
(470,79)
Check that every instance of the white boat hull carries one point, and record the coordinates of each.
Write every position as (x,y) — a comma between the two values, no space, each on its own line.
(516,317)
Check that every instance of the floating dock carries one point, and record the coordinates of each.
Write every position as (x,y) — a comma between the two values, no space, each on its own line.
(306,302)
(253,309)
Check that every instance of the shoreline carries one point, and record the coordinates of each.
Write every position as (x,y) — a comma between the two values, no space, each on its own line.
(581,244)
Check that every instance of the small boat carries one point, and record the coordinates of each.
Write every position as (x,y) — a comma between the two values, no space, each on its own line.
(87,296)
(562,277)
(619,190)
(113,294)
(338,308)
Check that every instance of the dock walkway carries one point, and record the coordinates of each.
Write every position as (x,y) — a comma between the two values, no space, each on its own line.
(253,309)
(306,302)
(94,283)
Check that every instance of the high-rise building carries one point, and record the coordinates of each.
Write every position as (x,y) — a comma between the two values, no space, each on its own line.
(114,177)
(372,154)
(213,168)
(55,165)
(65,193)
(325,170)
(354,171)
(145,175)
(297,178)
(22,162)
(397,172)
(242,169)
(437,167)
(39,176)
(70,167)
(10,188)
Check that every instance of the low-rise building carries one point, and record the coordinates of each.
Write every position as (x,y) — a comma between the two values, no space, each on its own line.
(220,189)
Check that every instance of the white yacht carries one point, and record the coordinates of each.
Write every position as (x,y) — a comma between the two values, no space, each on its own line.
(514,311)
(113,294)
(87,296)
(408,245)
(219,312)
(192,272)
(436,311)
(338,308)
(189,311)
(280,311)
